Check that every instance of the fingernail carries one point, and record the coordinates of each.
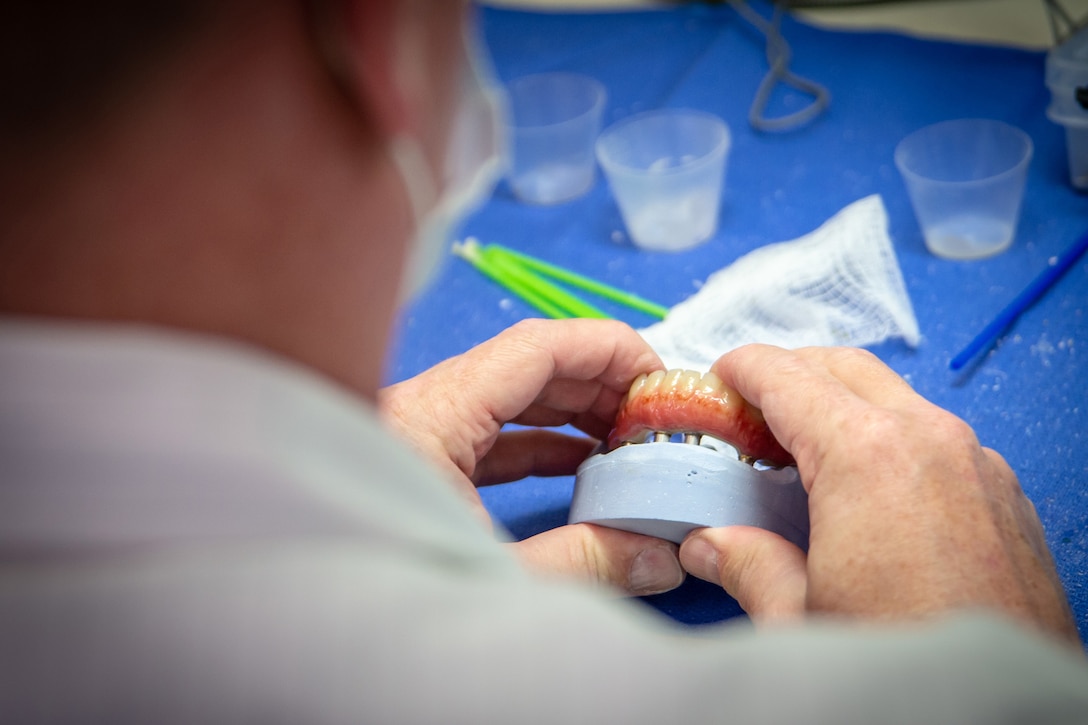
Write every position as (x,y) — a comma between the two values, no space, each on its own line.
(701,560)
(655,570)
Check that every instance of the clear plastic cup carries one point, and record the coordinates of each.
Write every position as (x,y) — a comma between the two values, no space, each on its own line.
(966,181)
(666,170)
(554,120)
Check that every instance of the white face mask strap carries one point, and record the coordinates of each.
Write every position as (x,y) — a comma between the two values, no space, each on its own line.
(423,197)
(416,176)
(473,162)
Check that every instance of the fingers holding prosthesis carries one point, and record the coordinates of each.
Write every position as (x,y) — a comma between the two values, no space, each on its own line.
(561,364)
(837,387)
(627,563)
(759,371)
(591,410)
(538,372)
(910,516)
(863,374)
(532,452)
(765,573)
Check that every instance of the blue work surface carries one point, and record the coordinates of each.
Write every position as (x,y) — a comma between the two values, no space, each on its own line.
(1026,398)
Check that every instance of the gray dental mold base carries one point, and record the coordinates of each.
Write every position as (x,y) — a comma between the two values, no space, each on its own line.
(667,489)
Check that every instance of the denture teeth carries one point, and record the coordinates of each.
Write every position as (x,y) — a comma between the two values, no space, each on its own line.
(679,382)
(653,382)
(688,383)
(711,383)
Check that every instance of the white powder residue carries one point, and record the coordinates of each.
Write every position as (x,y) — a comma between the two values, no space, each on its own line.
(1043,349)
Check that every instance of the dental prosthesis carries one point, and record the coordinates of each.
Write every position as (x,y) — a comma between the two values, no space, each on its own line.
(687,451)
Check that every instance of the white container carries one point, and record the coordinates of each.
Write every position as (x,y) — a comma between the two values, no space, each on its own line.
(1066,72)
(554,121)
(966,182)
(666,170)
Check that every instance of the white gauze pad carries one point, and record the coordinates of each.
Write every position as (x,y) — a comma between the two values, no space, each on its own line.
(839,285)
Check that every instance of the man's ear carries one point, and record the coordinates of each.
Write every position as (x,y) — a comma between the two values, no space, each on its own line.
(367,43)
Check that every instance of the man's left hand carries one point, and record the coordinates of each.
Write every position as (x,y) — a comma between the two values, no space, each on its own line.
(540,374)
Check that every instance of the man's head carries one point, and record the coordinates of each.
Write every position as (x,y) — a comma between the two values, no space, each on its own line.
(230,167)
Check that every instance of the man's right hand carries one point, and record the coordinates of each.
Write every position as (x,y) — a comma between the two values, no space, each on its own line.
(910,516)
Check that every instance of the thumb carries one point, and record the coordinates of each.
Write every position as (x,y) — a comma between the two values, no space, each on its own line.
(635,564)
(765,573)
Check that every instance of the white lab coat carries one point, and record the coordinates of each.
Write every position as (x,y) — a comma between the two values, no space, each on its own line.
(194,531)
